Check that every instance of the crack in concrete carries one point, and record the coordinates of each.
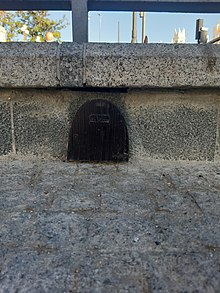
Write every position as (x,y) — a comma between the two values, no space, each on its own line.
(58,63)
(84,64)
(13,140)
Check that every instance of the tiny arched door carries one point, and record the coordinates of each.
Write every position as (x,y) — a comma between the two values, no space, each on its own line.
(98,133)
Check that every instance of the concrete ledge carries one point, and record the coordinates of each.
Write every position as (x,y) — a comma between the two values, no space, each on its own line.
(72,65)
(28,65)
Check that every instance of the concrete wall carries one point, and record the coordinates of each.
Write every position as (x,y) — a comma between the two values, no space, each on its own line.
(165,124)
(168,94)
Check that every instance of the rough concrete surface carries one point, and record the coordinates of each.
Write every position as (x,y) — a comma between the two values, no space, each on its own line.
(72,65)
(42,124)
(153,65)
(145,226)
(166,124)
(27,65)
(172,128)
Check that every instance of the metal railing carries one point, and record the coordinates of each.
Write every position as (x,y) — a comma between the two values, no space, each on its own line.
(80,8)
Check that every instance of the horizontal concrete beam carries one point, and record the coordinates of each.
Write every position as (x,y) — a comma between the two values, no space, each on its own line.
(72,65)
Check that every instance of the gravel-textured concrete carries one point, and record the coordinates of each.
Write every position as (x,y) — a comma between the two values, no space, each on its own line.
(137,227)
(168,124)
(71,68)
(109,65)
(153,65)
(28,65)
(177,131)
(40,122)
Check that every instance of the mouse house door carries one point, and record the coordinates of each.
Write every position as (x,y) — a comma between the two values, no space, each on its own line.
(98,133)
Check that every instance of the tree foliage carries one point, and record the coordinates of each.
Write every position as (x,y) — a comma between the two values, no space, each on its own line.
(38,23)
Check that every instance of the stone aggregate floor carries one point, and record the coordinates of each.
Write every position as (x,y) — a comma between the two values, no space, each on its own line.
(144,226)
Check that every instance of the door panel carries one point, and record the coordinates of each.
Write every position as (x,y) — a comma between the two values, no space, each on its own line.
(98,133)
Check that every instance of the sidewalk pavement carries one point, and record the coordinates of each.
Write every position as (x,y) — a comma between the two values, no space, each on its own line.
(144,226)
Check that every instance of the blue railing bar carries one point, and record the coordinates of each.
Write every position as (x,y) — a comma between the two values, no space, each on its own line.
(80,9)
(194,6)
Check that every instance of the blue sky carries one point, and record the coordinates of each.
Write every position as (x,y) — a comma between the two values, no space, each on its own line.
(159,27)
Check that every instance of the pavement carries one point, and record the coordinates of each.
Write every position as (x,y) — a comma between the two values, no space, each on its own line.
(142,226)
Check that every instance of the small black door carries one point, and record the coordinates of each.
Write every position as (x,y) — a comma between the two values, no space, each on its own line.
(98,133)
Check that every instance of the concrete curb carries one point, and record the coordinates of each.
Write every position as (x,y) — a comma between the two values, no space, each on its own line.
(71,65)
